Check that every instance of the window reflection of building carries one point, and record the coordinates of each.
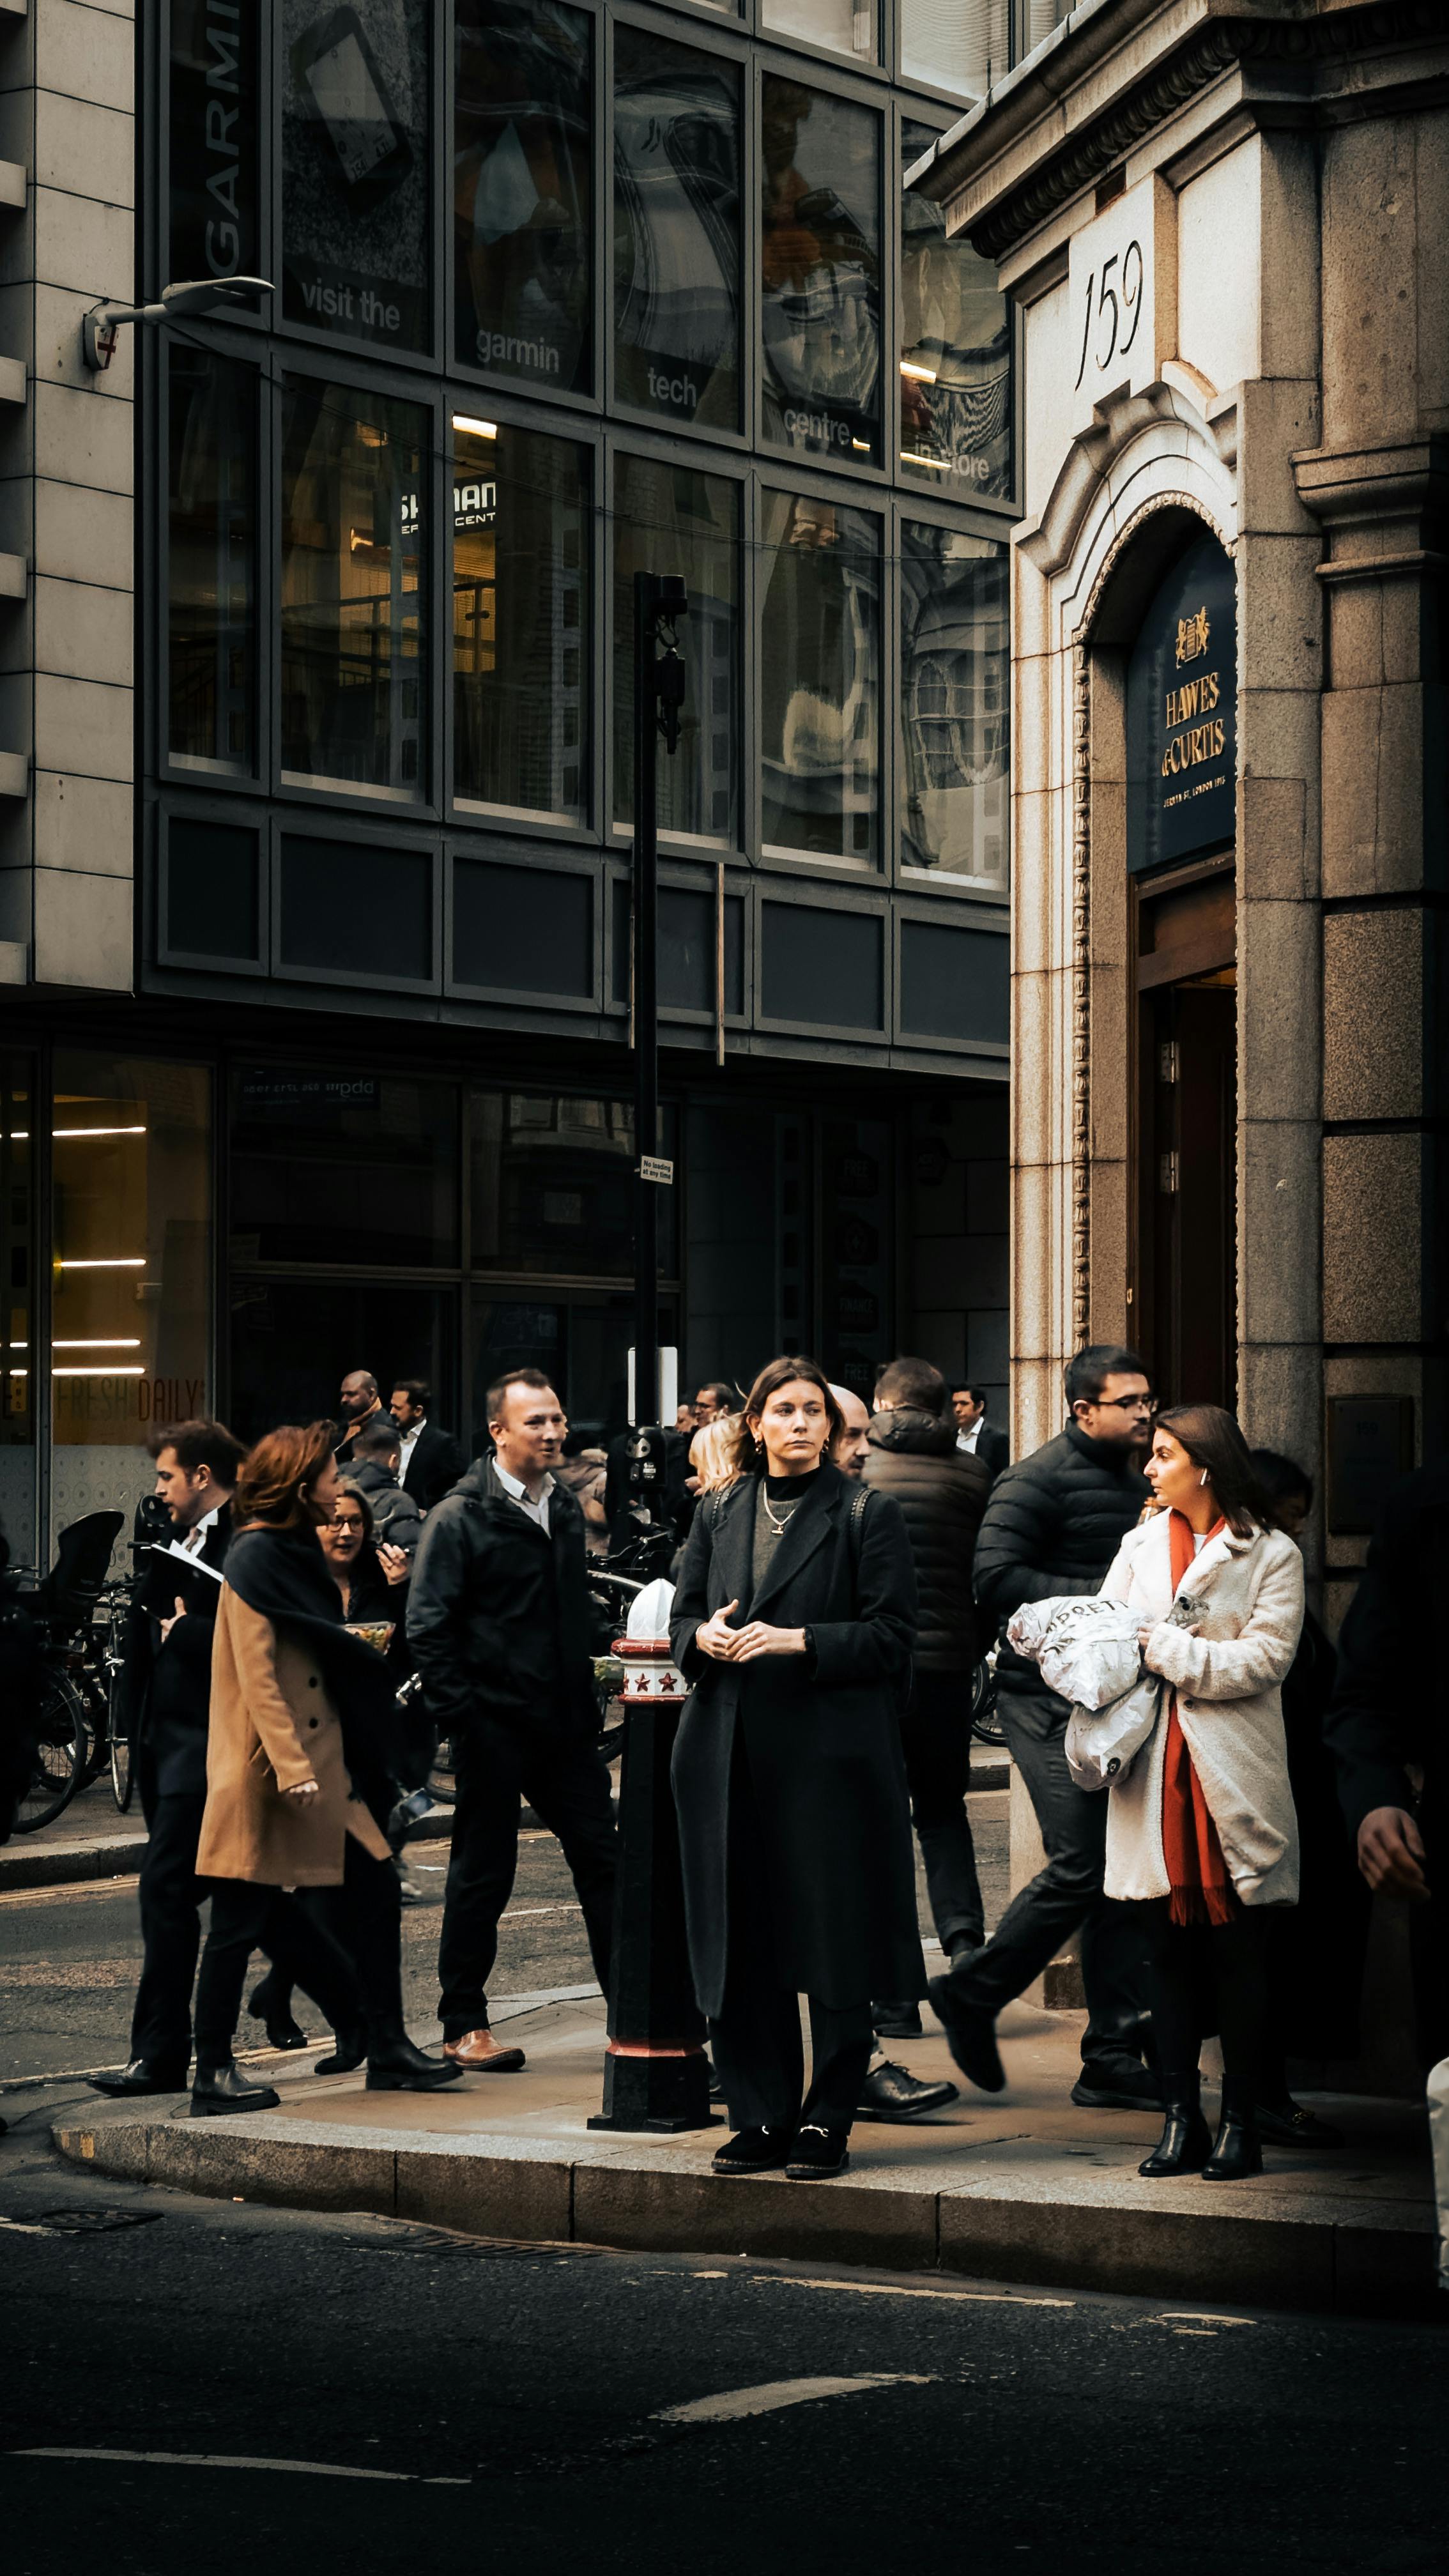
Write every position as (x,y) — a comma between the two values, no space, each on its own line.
(955,678)
(521,620)
(522,190)
(955,354)
(19,1322)
(211,552)
(957,45)
(820,272)
(667,518)
(676,230)
(846,26)
(821,723)
(347,1167)
(356,228)
(352,552)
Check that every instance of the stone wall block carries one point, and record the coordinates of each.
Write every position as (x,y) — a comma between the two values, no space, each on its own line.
(1370,281)
(85,245)
(1032,889)
(80,724)
(1274,854)
(1355,635)
(86,53)
(1280,613)
(83,632)
(1278,1207)
(1431,176)
(1280,1401)
(1109,1065)
(1031,723)
(1373,1017)
(82,440)
(83,930)
(84,824)
(1373,1267)
(1034,1066)
(84,536)
(1278,1010)
(1108,913)
(80,146)
(1276,417)
(1290,320)
(1373,819)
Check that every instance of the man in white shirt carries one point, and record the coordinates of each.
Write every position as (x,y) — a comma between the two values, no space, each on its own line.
(968,1403)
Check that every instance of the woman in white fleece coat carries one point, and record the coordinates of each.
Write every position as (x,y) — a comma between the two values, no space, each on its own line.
(1202,1834)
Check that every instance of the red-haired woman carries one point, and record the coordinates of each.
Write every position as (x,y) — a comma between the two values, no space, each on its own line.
(282,1810)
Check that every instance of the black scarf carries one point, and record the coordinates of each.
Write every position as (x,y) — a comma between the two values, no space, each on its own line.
(283,1575)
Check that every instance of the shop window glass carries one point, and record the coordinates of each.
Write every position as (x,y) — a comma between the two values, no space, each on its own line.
(676,230)
(667,518)
(211,561)
(131,1247)
(356,162)
(523,222)
(353,696)
(958,45)
(820,700)
(955,703)
(582,1341)
(211,138)
(521,619)
(955,368)
(846,26)
(551,1188)
(19,1375)
(820,280)
(294,1340)
(343,1166)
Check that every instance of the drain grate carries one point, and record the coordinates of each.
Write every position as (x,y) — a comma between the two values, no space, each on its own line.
(91,2222)
(440,2241)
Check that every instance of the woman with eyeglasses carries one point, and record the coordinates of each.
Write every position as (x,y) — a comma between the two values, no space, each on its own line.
(371,1577)
(1202,1838)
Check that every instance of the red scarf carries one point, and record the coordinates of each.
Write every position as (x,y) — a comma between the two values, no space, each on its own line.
(1197,1873)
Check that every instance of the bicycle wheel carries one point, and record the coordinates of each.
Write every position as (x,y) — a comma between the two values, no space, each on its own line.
(986,1724)
(60,1756)
(123,1780)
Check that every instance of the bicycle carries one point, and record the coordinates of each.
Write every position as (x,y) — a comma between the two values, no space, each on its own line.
(61,1753)
(986,1724)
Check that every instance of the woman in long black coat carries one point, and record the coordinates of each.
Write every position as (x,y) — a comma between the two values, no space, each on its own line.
(794,1620)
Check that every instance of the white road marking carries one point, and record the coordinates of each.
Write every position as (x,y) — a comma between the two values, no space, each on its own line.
(887,2290)
(732,2403)
(231,2460)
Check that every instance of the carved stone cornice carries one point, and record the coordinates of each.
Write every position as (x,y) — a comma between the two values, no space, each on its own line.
(1200,60)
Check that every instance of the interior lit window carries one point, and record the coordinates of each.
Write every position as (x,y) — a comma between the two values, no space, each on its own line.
(521,619)
(820,272)
(667,518)
(846,26)
(955,362)
(353,696)
(820,700)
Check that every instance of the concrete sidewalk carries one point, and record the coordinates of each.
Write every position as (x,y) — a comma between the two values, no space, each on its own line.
(1022,2188)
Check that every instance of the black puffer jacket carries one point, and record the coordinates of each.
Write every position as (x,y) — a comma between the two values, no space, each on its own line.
(942,1493)
(1054,1523)
(498,1610)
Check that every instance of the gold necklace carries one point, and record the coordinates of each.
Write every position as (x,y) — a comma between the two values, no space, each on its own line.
(778,1526)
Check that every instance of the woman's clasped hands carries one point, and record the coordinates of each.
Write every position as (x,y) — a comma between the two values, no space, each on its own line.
(715,1636)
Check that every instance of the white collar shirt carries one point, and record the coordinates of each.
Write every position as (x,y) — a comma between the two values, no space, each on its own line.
(406,1445)
(514,1485)
(195,1539)
(968,1439)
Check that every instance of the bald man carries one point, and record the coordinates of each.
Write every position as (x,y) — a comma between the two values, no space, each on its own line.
(849,1446)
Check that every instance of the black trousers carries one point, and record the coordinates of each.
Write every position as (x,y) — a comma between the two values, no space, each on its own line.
(759,2055)
(936,1737)
(1212,1976)
(171,1897)
(566,1782)
(343,1944)
(1064,1896)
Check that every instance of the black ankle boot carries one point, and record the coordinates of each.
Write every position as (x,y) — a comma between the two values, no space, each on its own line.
(1237,2148)
(282,2029)
(348,2054)
(394,2065)
(1184,2146)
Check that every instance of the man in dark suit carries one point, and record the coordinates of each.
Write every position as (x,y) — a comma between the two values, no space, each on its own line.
(431,1460)
(973,1439)
(168,1690)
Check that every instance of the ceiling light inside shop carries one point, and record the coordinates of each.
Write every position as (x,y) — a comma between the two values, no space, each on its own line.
(475,428)
(923,375)
(117,1343)
(103,1370)
(98,1131)
(122,1261)
(937,464)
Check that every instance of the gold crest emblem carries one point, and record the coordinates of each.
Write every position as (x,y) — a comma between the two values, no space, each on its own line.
(1192,635)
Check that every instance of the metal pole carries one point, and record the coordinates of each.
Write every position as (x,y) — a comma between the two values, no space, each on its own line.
(646,999)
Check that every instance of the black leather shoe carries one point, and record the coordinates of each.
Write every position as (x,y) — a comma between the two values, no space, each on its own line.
(971,2031)
(131,2083)
(818,2153)
(225,2088)
(395,2066)
(1287,2124)
(753,2151)
(346,2057)
(891,2093)
(1184,2146)
(1237,2149)
(1117,2084)
(896,2020)
(282,2030)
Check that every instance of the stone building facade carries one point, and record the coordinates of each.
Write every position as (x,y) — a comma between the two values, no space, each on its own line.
(1223,222)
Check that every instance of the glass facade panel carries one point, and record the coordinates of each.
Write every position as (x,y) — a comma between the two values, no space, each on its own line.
(131,1267)
(846,26)
(346,1168)
(353,695)
(820,718)
(955,377)
(293,1341)
(820,272)
(211,136)
(19,1377)
(955,703)
(356,155)
(523,222)
(211,560)
(676,230)
(581,1340)
(551,1185)
(522,620)
(667,518)
(957,45)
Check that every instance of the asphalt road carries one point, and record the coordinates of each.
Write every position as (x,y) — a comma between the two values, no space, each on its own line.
(343,2362)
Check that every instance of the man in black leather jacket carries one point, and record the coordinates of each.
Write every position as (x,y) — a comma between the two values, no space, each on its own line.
(1053,1525)
(498,1623)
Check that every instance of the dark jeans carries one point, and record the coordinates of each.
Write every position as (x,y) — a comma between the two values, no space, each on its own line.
(566,1782)
(343,1944)
(758,2052)
(1211,1976)
(171,1897)
(1064,1896)
(936,1736)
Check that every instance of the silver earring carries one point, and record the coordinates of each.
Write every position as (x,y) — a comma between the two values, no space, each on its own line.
(1202,1480)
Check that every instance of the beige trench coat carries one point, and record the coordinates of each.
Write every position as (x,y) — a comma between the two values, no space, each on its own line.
(272,1727)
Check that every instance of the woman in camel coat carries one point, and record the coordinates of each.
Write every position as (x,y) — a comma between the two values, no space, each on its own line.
(282,1805)
(1201,1834)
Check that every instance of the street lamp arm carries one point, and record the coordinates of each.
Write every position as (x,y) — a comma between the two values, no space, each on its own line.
(189,295)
